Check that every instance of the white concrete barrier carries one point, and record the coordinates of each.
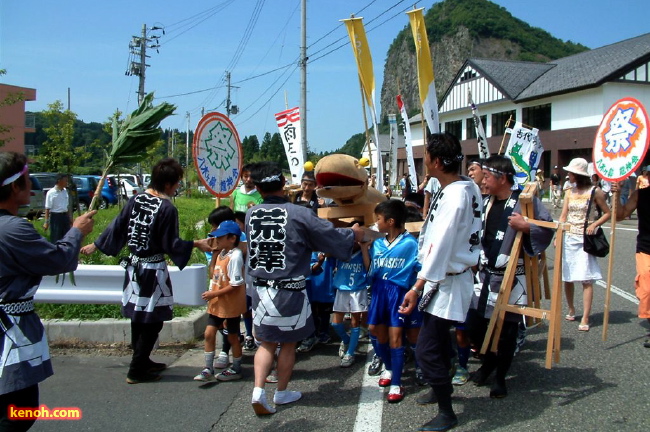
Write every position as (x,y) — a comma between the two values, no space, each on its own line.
(102,284)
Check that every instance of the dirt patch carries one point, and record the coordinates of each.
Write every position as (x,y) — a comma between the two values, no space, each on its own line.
(78,347)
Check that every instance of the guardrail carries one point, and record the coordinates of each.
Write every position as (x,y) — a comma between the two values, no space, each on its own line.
(102,284)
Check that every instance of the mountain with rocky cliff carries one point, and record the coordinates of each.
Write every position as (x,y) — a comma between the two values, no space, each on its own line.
(458,30)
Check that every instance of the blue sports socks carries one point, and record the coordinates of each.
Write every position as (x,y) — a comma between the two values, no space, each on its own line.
(354,340)
(340,330)
(384,352)
(397,360)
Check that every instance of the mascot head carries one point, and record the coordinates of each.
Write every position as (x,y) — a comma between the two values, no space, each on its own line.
(345,180)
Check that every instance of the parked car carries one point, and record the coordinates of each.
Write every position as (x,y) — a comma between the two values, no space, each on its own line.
(109,192)
(146,179)
(128,189)
(46,180)
(36,204)
(86,187)
(130,177)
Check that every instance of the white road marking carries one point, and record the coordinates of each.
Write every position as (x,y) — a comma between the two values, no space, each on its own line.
(624,229)
(371,401)
(626,295)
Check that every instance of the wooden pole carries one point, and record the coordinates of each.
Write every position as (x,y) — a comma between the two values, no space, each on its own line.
(365,123)
(504,135)
(610,266)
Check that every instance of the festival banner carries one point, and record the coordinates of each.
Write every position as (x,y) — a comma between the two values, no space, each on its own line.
(525,150)
(426,78)
(289,125)
(410,161)
(217,154)
(483,149)
(621,140)
(362,55)
(394,145)
(363,58)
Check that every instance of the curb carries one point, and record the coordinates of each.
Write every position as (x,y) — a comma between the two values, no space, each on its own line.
(178,330)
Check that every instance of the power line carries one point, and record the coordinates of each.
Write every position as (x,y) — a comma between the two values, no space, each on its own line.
(209,13)
(240,48)
(270,97)
(338,27)
(245,39)
(189,93)
(268,50)
(268,89)
(346,43)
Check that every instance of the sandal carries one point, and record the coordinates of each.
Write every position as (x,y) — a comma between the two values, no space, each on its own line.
(583,327)
(570,317)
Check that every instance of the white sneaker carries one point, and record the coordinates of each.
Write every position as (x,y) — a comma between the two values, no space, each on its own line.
(260,404)
(286,397)
(343,348)
(222,361)
(347,361)
(205,375)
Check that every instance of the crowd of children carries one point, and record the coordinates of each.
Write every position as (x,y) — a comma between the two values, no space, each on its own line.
(372,286)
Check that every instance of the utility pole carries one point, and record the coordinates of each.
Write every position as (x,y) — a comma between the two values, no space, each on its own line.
(138,55)
(187,142)
(187,155)
(303,77)
(230,108)
(143,64)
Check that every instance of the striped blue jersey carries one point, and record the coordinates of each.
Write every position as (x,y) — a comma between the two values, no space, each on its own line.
(396,262)
(351,275)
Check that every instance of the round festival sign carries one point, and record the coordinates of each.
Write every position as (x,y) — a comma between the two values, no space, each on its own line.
(217,154)
(622,140)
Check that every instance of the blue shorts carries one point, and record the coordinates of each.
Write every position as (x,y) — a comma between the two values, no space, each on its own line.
(384,305)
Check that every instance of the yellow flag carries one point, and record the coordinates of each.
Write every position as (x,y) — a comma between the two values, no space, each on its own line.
(426,79)
(362,55)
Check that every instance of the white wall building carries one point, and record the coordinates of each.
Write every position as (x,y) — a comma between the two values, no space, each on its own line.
(565,99)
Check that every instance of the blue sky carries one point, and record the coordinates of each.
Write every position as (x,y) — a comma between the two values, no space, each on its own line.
(83,45)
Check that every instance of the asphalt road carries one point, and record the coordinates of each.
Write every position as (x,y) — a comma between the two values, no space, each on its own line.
(597,386)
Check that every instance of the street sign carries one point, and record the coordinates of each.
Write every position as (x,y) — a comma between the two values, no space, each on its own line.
(217,154)
(621,140)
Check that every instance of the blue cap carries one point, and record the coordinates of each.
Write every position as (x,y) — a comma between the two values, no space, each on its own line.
(225,228)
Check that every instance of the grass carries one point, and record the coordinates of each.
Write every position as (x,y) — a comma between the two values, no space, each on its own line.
(192,212)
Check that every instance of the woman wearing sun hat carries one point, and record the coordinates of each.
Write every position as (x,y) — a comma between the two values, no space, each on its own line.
(578,265)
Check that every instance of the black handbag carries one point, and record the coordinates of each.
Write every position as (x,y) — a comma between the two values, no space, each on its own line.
(594,244)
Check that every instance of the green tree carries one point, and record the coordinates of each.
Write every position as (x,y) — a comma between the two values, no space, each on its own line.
(10,99)
(58,153)
(250,148)
(272,150)
(354,146)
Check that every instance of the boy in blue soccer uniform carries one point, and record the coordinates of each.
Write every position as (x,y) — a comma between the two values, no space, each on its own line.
(393,268)
(320,293)
(350,282)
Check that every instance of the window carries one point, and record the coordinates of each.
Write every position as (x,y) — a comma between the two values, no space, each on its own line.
(499,122)
(537,116)
(467,75)
(471,130)
(455,128)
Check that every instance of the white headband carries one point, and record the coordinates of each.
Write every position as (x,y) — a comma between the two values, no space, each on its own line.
(14,177)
